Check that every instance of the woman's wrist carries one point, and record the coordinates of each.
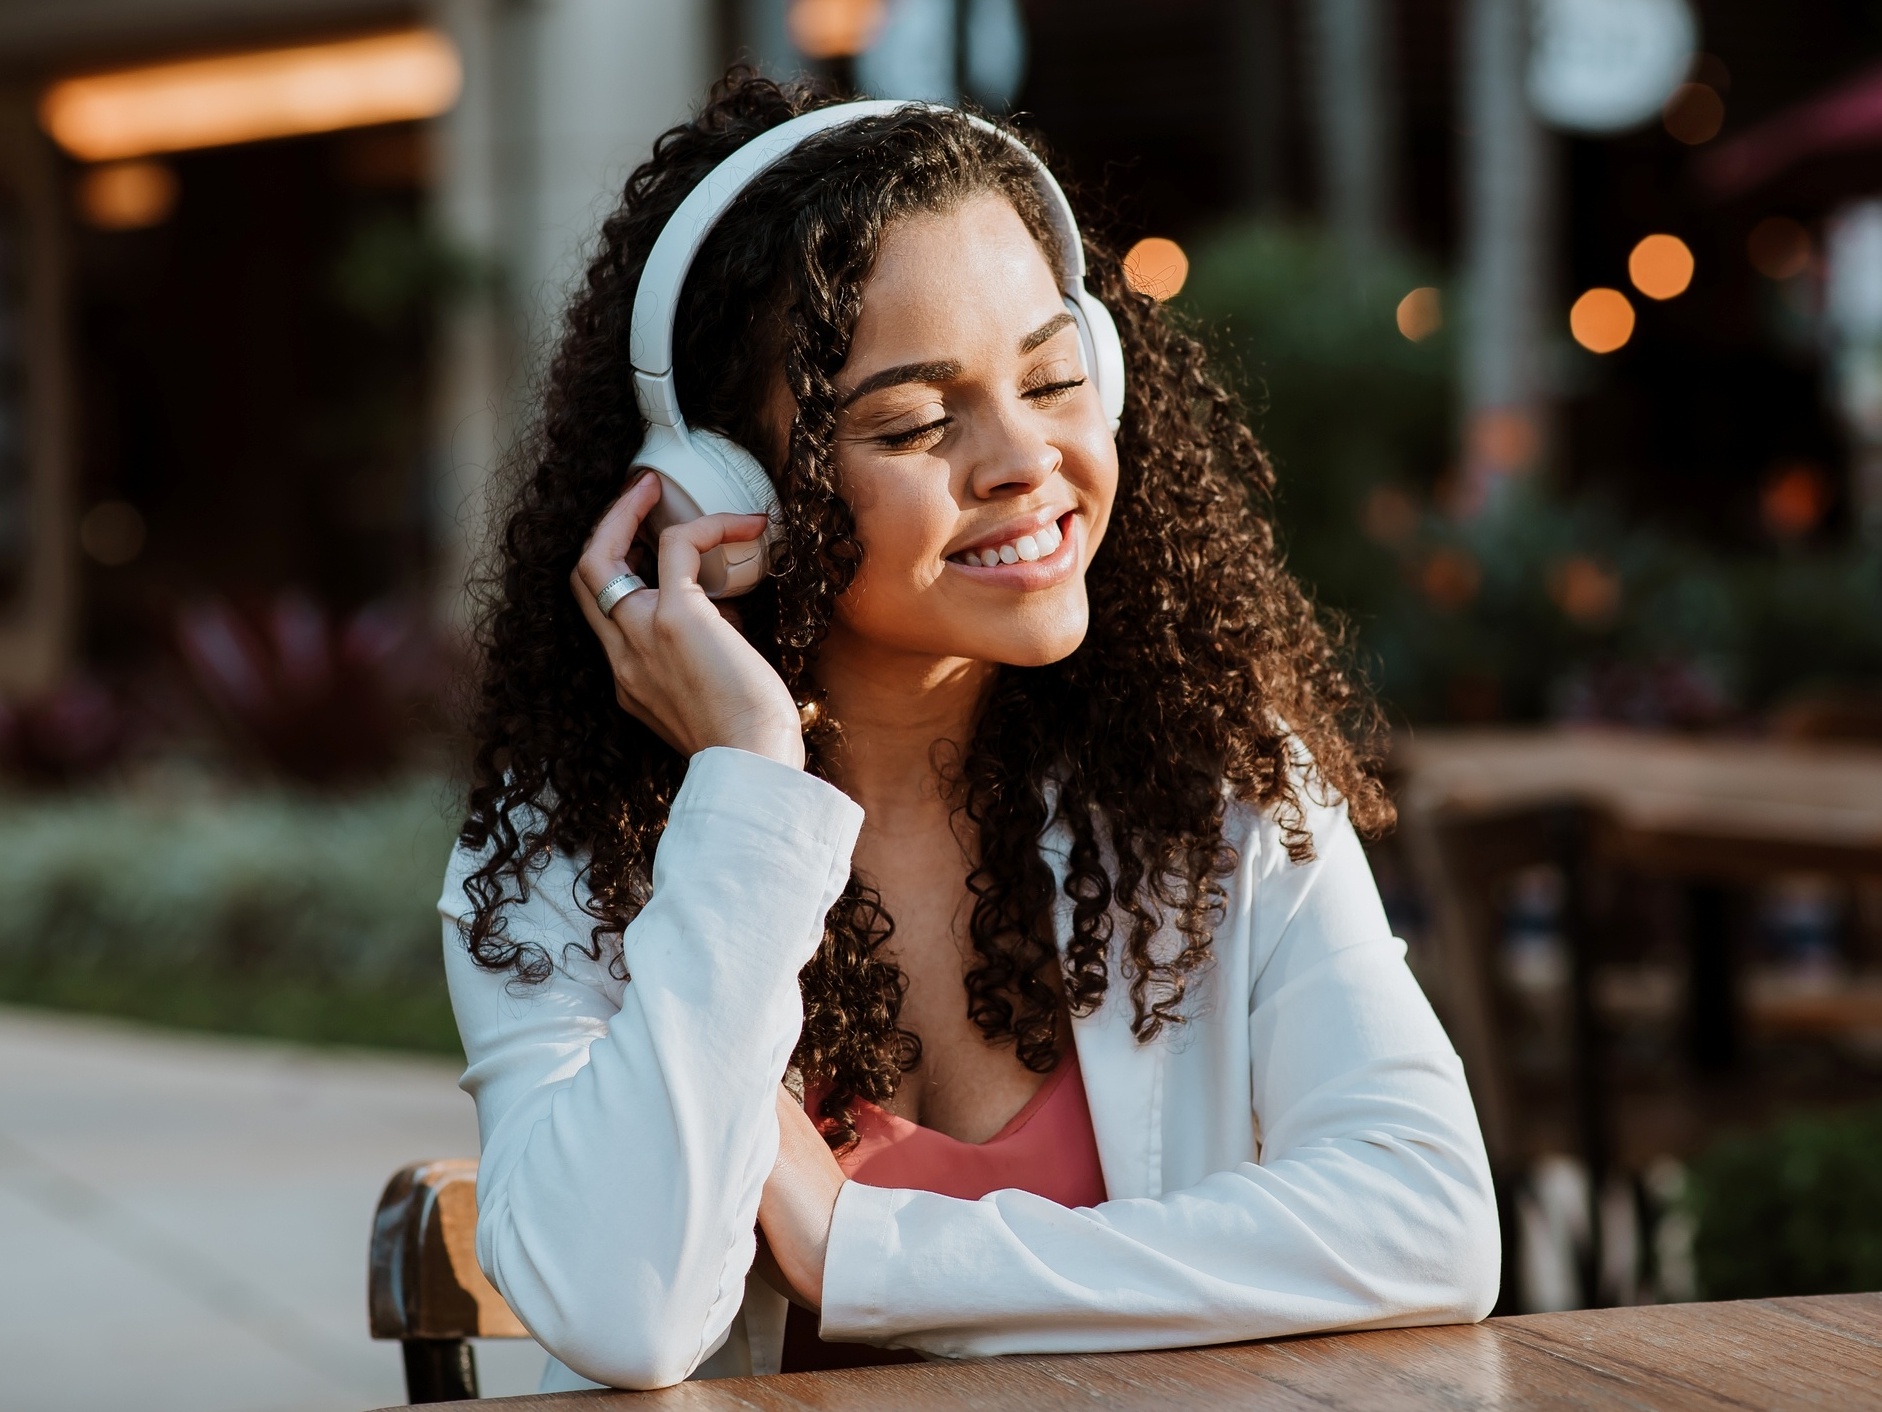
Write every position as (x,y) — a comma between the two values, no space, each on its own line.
(799,1201)
(785,744)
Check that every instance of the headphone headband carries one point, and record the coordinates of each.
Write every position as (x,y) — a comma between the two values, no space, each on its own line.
(657,299)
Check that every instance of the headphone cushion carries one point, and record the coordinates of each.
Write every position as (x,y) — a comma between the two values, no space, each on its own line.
(740,470)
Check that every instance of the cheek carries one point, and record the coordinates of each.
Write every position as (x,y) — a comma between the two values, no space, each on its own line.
(903,520)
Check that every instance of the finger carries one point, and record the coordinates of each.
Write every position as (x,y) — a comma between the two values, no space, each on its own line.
(682,545)
(605,554)
(612,627)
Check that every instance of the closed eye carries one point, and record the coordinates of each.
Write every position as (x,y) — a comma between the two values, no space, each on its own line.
(1052,392)
(902,440)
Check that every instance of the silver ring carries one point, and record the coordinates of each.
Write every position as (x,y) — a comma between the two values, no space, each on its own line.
(616,589)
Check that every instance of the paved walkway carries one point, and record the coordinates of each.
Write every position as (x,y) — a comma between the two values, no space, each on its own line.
(184,1219)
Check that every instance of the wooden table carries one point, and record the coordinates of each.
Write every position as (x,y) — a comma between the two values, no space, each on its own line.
(1708,811)
(1711,813)
(1737,809)
(1824,1353)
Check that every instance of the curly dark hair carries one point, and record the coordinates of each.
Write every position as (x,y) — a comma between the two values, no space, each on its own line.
(1203,677)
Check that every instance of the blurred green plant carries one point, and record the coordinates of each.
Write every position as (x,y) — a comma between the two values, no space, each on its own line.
(1527,604)
(258,912)
(1344,402)
(396,268)
(1796,1209)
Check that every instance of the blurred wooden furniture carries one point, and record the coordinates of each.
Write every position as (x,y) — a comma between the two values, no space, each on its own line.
(424,1287)
(1769,1354)
(1711,813)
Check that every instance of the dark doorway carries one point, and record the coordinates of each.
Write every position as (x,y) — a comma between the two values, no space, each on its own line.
(252,383)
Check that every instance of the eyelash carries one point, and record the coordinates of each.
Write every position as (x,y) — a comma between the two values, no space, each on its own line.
(896,441)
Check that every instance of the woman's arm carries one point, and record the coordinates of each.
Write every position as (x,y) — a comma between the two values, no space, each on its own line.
(628,1130)
(1371,1204)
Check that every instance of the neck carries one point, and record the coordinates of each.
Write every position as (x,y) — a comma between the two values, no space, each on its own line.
(900,717)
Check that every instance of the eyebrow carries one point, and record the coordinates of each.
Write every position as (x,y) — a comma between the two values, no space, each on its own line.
(1045,331)
(945,369)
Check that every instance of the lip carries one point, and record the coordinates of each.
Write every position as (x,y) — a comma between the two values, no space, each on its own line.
(1012,530)
(1054,568)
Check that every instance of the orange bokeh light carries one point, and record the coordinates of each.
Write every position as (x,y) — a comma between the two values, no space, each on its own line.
(1779,248)
(1602,320)
(1157,267)
(265,93)
(1694,114)
(1587,592)
(127,195)
(1794,498)
(1420,314)
(1450,578)
(833,29)
(1661,266)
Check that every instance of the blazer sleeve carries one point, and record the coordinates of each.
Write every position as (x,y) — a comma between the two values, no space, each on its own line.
(1370,1204)
(628,1128)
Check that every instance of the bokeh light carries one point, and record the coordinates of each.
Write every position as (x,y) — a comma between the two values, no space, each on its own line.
(1587,592)
(112,532)
(1795,497)
(1661,266)
(1420,314)
(1389,516)
(265,93)
(833,29)
(1779,248)
(127,195)
(1694,114)
(1157,267)
(1602,320)
(1450,578)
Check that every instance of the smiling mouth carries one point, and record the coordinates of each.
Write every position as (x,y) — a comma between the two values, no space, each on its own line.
(1026,549)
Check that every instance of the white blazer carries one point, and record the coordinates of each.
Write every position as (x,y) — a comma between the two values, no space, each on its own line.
(1301,1154)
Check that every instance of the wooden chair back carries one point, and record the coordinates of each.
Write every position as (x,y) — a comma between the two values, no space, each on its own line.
(424,1286)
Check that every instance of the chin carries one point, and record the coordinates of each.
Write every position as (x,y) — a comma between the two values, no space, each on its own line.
(1032,645)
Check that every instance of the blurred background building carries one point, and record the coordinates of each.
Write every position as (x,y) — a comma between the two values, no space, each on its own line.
(262,342)
(1561,319)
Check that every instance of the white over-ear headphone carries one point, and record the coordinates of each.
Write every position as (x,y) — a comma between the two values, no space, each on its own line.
(708,474)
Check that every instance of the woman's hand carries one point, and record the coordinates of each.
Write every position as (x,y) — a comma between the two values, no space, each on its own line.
(798,1201)
(679,665)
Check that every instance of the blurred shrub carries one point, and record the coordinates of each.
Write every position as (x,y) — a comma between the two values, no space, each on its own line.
(396,268)
(1533,604)
(313,700)
(1794,1210)
(1343,401)
(75,731)
(265,912)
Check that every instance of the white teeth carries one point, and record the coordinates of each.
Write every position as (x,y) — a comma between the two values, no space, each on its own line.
(1028,548)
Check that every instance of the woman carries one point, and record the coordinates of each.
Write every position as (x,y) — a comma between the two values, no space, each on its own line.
(962,945)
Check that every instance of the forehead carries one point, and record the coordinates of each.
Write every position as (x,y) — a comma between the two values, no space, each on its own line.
(973,269)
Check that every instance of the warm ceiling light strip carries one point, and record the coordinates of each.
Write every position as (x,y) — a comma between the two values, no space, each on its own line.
(247,97)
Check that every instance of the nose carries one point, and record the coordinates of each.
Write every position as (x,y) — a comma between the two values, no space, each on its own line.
(1009,457)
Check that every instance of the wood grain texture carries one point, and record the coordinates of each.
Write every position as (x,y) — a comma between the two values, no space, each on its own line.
(1820,1353)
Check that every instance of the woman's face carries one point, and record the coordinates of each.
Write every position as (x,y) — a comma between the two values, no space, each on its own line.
(971,447)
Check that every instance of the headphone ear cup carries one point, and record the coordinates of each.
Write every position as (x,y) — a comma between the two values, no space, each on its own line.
(741,469)
(1104,351)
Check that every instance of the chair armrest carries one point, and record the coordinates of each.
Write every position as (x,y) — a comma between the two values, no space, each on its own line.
(424,1282)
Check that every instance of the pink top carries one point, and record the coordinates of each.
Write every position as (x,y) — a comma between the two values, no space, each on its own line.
(1047,1148)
